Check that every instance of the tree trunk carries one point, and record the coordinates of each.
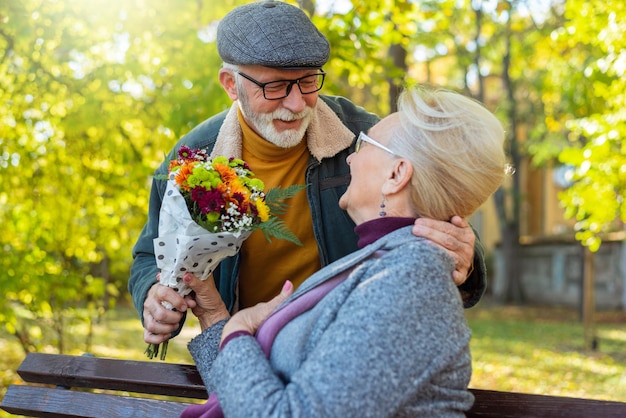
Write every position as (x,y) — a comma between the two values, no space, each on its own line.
(397,53)
(478,12)
(509,232)
(509,219)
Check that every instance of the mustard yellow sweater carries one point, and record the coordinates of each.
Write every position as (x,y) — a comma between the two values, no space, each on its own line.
(282,260)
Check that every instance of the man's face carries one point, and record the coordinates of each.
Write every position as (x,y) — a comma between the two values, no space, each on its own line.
(282,122)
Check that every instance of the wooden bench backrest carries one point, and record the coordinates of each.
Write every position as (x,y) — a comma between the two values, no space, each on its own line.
(150,377)
(129,378)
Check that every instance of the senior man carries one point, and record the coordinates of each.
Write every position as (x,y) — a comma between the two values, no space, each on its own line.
(289,134)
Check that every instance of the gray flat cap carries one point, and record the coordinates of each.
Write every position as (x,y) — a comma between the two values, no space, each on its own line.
(271,34)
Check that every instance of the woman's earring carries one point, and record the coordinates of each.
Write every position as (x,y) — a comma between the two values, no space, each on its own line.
(382,208)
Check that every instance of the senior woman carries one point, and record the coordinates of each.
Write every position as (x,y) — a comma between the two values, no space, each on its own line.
(381,332)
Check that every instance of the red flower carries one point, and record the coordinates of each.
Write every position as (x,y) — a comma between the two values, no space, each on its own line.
(207,200)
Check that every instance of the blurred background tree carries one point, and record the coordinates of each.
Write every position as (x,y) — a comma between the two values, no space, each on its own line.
(94,93)
(591,116)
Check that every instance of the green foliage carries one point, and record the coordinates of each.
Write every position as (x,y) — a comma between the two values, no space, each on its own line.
(276,201)
(596,131)
(277,196)
(91,95)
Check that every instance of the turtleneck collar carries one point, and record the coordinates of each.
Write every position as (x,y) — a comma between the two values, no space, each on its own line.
(370,231)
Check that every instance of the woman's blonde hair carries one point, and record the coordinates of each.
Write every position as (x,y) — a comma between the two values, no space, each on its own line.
(456,148)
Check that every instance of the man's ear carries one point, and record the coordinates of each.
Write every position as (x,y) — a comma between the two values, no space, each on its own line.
(399,176)
(227,80)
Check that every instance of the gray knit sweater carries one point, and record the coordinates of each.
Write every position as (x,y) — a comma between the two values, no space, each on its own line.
(390,341)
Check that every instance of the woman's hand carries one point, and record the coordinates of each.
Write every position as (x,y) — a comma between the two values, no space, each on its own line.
(456,237)
(251,318)
(205,300)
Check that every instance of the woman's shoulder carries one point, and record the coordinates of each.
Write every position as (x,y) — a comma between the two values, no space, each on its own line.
(411,273)
(406,256)
(403,241)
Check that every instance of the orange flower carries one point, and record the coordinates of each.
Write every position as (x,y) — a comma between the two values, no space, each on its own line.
(223,188)
(173,165)
(236,187)
(183,173)
(227,174)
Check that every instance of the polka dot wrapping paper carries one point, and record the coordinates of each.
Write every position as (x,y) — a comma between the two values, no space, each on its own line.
(184,246)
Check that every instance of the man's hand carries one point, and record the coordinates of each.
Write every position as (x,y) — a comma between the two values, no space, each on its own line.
(158,321)
(250,319)
(456,237)
(205,301)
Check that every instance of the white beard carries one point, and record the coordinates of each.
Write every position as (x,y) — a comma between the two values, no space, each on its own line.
(263,123)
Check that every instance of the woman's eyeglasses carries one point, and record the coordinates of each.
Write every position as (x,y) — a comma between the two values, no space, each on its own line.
(364,138)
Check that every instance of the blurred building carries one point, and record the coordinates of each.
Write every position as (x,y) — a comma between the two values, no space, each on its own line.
(552,261)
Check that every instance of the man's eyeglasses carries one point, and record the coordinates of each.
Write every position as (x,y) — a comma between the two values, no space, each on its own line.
(364,138)
(279,89)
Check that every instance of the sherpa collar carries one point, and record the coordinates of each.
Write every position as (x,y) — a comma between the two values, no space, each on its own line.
(326,135)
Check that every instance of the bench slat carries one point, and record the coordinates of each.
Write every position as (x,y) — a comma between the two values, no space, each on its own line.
(102,373)
(491,403)
(37,401)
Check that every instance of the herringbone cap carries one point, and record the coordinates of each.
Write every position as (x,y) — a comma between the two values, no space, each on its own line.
(271,34)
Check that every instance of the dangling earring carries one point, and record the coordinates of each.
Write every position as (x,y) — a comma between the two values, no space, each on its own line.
(382,208)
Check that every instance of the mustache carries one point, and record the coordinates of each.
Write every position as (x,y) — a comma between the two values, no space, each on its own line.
(288,116)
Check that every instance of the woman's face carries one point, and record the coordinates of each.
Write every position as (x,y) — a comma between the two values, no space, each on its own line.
(369,168)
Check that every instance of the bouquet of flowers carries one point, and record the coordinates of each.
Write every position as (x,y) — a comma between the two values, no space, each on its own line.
(210,207)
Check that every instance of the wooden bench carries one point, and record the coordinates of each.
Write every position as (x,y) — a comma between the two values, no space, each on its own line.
(58,387)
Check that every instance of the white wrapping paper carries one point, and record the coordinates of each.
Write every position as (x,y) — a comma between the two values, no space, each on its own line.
(184,246)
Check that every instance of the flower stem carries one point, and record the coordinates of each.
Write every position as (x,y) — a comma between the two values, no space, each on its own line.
(153,350)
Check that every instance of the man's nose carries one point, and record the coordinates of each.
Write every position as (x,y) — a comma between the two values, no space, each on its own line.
(295,100)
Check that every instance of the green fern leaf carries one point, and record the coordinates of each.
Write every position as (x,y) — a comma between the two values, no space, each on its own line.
(275,198)
(275,227)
